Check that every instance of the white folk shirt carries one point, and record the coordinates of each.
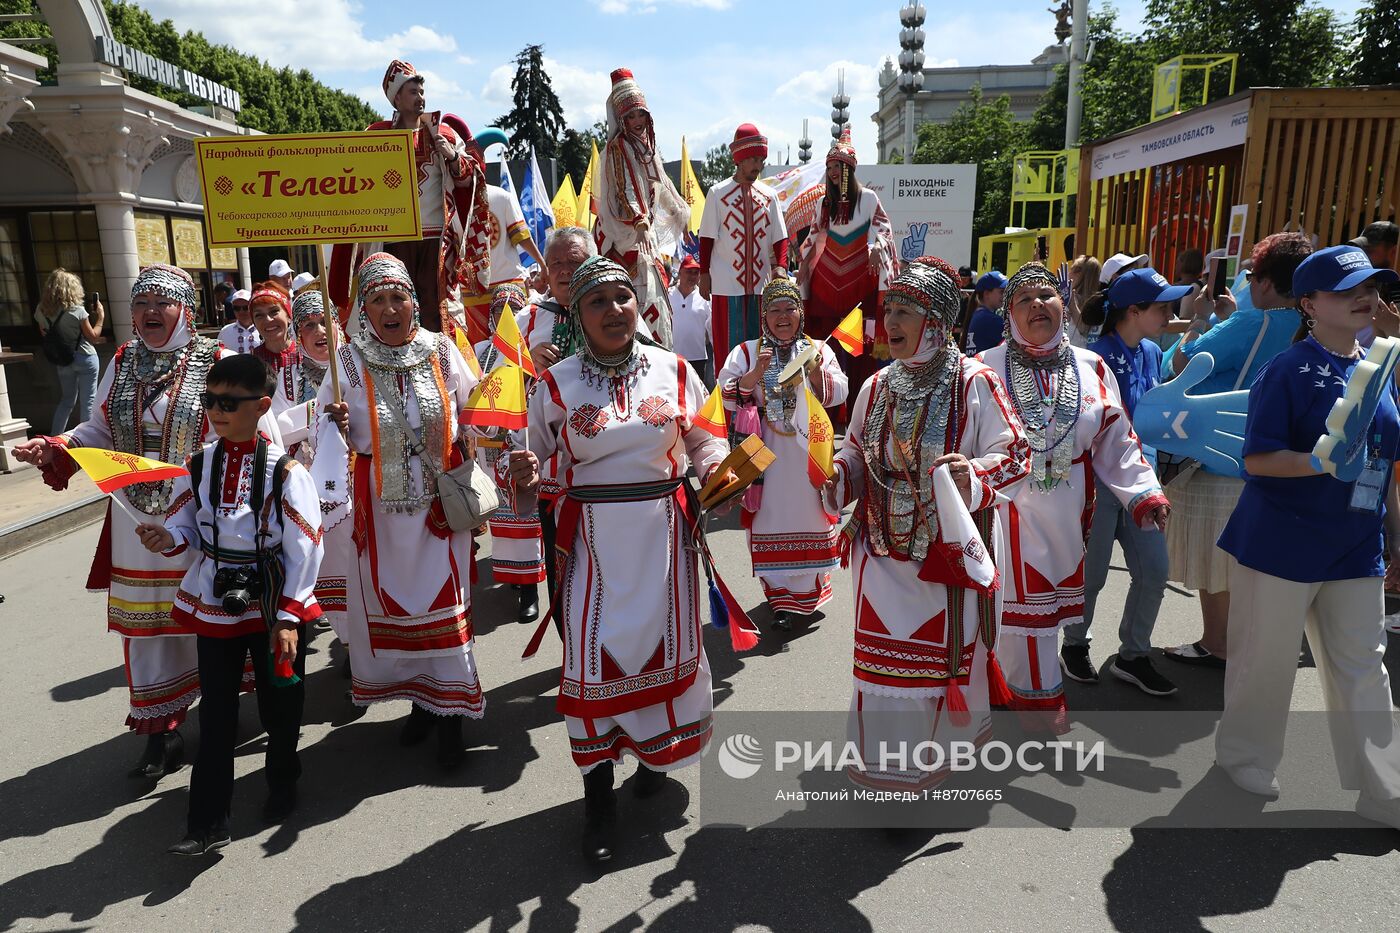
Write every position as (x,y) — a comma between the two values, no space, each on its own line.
(240,339)
(298,535)
(1046,530)
(746,223)
(690,324)
(508,229)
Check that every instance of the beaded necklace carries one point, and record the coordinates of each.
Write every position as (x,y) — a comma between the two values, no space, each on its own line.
(617,373)
(1045,393)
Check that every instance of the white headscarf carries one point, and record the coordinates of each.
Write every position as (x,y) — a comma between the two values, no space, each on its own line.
(173,283)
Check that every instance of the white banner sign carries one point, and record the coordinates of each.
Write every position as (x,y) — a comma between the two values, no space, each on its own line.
(930,207)
(1192,134)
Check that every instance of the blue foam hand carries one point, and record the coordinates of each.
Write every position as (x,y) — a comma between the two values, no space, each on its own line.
(912,246)
(1208,428)
(1342,450)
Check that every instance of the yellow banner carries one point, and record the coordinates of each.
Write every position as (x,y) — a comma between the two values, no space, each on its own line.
(316,188)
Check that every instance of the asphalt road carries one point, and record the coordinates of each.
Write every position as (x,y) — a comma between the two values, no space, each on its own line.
(383,840)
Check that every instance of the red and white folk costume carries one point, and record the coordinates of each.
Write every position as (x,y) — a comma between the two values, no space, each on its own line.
(635,678)
(924,664)
(296,534)
(743,237)
(641,215)
(148,403)
(1077,429)
(793,540)
(408,607)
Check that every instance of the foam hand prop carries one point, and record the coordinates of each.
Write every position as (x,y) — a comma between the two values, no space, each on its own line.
(1342,450)
(1208,428)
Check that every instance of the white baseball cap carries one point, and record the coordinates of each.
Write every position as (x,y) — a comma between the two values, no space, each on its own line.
(301,279)
(1119,262)
(278,267)
(241,295)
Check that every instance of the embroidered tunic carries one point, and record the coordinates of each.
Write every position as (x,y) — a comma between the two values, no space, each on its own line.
(793,540)
(745,224)
(841,277)
(635,677)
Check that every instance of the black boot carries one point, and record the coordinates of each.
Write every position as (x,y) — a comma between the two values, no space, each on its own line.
(165,752)
(529,603)
(416,727)
(648,783)
(782,621)
(599,814)
(449,732)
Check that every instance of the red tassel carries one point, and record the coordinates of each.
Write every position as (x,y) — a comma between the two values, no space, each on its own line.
(743,634)
(958,713)
(741,639)
(997,691)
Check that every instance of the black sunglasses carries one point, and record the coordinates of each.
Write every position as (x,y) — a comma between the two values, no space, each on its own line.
(225,403)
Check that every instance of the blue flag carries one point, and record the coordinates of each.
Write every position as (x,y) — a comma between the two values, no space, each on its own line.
(534,204)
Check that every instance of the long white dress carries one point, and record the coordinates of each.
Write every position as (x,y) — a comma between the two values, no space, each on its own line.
(793,540)
(635,678)
(1046,531)
(907,655)
(408,597)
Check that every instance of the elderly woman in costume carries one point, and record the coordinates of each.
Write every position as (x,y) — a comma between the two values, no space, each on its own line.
(517,550)
(926,624)
(408,611)
(620,415)
(792,538)
(149,403)
(1081,438)
(641,216)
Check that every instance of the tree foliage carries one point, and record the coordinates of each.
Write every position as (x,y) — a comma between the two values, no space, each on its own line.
(718,165)
(536,118)
(986,134)
(576,148)
(274,100)
(1375,55)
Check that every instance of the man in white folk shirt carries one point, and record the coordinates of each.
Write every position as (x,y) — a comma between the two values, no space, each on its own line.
(239,335)
(690,321)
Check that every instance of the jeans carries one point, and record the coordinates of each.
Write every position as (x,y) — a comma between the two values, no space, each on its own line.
(1146,555)
(78,382)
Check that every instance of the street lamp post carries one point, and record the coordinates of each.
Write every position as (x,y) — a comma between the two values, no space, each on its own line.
(804,146)
(911,67)
(840,106)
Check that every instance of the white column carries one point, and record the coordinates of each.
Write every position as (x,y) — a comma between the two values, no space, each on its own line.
(116,231)
(245,272)
(12,430)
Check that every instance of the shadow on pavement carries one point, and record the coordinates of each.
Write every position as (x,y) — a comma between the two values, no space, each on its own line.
(90,686)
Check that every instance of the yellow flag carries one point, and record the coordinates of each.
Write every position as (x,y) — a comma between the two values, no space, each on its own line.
(464,346)
(111,469)
(506,338)
(587,193)
(498,401)
(851,332)
(690,189)
(820,440)
(565,204)
(712,417)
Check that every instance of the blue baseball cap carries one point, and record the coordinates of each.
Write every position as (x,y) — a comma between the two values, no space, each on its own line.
(1143,287)
(1336,269)
(991,280)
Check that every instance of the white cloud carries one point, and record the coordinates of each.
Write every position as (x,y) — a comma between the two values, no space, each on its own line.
(620,7)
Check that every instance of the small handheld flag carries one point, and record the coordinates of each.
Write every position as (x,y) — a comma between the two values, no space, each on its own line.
(850,333)
(712,417)
(820,438)
(506,338)
(535,205)
(112,470)
(691,191)
(565,204)
(464,346)
(498,401)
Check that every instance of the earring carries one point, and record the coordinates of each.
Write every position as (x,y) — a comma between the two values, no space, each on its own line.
(1308,322)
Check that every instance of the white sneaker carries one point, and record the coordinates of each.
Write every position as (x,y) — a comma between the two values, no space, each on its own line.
(1255,780)
(1379,811)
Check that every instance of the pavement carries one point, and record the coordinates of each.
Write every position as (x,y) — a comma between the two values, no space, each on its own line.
(31,512)
(383,840)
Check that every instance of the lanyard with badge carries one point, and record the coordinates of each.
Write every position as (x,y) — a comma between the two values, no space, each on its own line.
(1368,490)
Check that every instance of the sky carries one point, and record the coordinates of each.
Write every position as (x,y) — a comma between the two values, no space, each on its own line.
(705,65)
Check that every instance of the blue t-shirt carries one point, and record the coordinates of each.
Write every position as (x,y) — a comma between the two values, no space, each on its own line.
(1230,341)
(984,331)
(1301,529)
(1135,368)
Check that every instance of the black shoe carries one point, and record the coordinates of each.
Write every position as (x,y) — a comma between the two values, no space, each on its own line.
(1074,661)
(193,844)
(1141,674)
(416,727)
(529,603)
(648,783)
(450,751)
(280,803)
(599,814)
(782,621)
(165,752)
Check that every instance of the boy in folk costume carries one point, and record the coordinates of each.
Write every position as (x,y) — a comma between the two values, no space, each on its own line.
(641,215)
(743,241)
(251,517)
(517,552)
(793,540)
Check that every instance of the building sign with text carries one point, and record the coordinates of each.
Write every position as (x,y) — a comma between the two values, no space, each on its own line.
(134,61)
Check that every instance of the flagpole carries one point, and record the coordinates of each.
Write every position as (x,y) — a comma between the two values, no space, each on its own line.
(138,517)
(331,317)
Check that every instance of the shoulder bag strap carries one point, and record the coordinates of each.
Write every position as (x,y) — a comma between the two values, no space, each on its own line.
(1249,360)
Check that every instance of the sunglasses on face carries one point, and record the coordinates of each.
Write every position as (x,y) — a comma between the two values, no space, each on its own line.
(225,403)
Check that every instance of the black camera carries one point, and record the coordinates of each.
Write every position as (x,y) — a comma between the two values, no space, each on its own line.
(238,587)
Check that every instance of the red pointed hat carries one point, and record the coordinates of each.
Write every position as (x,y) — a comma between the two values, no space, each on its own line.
(843,150)
(748,142)
(626,94)
(396,76)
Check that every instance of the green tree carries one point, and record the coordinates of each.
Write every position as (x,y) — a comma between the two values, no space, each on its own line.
(718,165)
(1375,57)
(986,134)
(536,119)
(575,149)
